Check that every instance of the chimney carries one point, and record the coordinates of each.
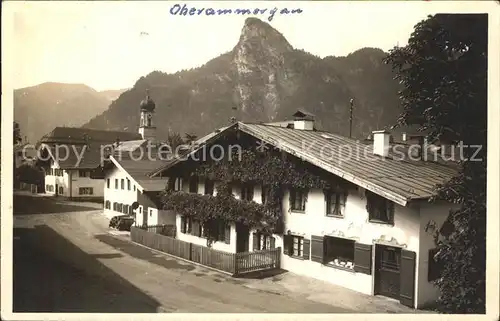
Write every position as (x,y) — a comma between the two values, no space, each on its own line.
(381,142)
(303,120)
(417,145)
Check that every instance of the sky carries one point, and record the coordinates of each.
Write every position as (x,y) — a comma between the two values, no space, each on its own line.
(110,45)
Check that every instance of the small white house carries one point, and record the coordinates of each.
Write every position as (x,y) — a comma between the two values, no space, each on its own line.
(127,182)
(72,178)
(333,236)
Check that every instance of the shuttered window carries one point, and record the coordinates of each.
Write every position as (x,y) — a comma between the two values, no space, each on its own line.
(122,185)
(293,245)
(108,183)
(339,252)
(128,184)
(263,242)
(116,183)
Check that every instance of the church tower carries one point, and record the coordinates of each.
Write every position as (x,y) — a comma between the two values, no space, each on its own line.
(146,128)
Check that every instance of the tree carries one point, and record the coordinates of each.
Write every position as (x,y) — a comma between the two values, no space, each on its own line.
(17,133)
(443,70)
(174,140)
(189,138)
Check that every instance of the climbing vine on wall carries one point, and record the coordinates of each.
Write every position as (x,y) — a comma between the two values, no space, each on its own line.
(274,171)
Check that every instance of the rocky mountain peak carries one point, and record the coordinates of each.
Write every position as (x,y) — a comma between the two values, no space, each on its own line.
(257,34)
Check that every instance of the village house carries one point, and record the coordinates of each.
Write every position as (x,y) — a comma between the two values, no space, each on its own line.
(71,158)
(376,234)
(128,190)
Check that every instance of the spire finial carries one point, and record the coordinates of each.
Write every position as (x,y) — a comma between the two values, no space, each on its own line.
(147,92)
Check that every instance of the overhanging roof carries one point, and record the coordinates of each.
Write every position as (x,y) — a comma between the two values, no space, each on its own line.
(397,180)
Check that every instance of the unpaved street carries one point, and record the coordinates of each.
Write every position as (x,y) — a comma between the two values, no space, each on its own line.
(66,260)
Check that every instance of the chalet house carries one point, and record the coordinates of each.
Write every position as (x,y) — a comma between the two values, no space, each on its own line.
(376,235)
(71,158)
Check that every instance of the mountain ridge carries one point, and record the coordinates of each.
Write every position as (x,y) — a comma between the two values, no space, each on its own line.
(40,108)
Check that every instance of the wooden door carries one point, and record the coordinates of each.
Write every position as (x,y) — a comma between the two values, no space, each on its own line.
(242,238)
(387,271)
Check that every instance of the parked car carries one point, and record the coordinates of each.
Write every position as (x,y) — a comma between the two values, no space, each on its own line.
(121,222)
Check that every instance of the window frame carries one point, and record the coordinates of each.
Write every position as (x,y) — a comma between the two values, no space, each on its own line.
(374,203)
(339,197)
(108,183)
(291,246)
(293,197)
(342,245)
(122,184)
(247,192)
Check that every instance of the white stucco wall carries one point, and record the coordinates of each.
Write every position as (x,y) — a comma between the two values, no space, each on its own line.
(118,195)
(71,183)
(152,216)
(220,246)
(355,226)
(77,182)
(433,213)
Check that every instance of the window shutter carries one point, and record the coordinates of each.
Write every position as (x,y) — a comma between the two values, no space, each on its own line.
(183,224)
(189,223)
(287,239)
(306,248)
(363,258)
(255,242)
(317,248)
(273,243)
(407,275)
(433,270)
(227,234)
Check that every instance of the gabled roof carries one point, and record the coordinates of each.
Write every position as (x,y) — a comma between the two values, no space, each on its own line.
(139,166)
(397,180)
(77,135)
(77,156)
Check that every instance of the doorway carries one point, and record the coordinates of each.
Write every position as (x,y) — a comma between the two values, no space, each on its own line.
(242,238)
(388,271)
